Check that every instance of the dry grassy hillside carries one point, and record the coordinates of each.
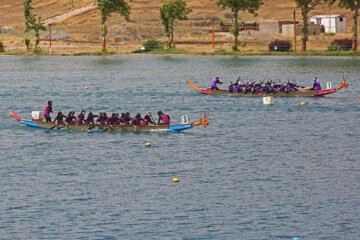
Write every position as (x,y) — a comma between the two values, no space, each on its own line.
(84,23)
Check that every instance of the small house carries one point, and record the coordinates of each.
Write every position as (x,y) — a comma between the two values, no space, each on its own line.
(331,23)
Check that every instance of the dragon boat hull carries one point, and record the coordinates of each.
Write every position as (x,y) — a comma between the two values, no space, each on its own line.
(310,93)
(299,93)
(105,128)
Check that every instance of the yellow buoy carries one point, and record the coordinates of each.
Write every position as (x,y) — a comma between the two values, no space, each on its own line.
(303,103)
(176,180)
(86,87)
(148,144)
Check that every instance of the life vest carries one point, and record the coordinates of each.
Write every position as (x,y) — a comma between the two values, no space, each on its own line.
(69,119)
(112,121)
(90,120)
(80,117)
(101,120)
(136,121)
(59,120)
(165,119)
(146,121)
(317,85)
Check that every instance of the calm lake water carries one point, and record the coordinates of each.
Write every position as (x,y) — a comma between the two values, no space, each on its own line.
(257,172)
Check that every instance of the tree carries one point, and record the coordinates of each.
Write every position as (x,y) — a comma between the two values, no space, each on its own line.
(169,12)
(306,6)
(27,15)
(107,7)
(239,5)
(37,26)
(32,23)
(353,5)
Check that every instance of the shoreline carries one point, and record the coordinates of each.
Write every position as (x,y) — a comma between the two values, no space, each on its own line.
(184,52)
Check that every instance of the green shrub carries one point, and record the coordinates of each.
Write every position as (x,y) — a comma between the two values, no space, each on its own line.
(152,44)
(2,48)
(344,44)
(334,47)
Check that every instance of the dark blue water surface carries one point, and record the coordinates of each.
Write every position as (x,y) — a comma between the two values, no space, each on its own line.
(257,172)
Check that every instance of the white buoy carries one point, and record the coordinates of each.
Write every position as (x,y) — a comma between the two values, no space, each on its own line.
(268,100)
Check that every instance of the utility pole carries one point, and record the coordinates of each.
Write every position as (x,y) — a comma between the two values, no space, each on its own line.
(213,36)
(50,37)
(294,31)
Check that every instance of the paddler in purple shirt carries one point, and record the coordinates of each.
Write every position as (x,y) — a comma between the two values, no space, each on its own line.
(70,119)
(90,118)
(127,118)
(102,119)
(47,111)
(59,118)
(113,120)
(231,87)
(316,85)
(236,85)
(215,82)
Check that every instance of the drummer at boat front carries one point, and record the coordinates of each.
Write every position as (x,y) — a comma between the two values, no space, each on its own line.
(47,111)
(316,85)
(215,82)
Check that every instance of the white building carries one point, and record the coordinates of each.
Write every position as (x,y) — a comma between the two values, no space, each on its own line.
(332,23)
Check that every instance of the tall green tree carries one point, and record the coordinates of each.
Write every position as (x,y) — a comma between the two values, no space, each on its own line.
(354,6)
(306,6)
(27,15)
(169,12)
(32,22)
(107,7)
(37,26)
(239,5)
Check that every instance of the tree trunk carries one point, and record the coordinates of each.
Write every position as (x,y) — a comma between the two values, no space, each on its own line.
(354,44)
(172,39)
(304,30)
(171,36)
(103,36)
(235,27)
(27,44)
(303,46)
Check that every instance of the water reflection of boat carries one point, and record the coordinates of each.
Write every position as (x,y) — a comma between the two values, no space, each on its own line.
(302,93)
(104,128)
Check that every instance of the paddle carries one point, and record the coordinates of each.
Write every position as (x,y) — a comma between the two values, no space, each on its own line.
(57,126)
(91,127)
